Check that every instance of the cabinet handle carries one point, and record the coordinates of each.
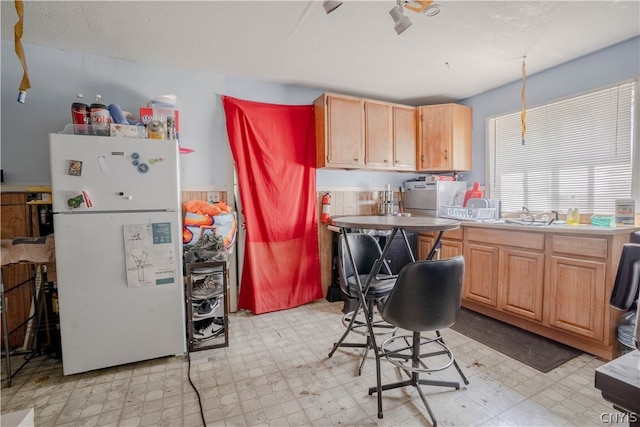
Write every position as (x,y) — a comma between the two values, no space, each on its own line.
(386,161)
(446,155)
(356,159)
(397,161)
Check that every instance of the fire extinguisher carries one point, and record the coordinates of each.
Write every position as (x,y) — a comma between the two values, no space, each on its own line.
(326,207)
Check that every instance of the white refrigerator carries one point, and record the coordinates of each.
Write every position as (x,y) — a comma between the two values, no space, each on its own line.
(118,244)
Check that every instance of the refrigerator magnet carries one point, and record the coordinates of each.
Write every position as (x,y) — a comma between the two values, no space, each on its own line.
(75,202)
(86,199)
(75,167)
(143,168)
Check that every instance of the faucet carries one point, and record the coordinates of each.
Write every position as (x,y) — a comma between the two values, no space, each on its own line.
(555,217)
(533,217)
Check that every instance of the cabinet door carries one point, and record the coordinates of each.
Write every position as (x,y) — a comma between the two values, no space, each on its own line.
(16,216)
(450,248)
(339,132)
(522,283)
(378,135)
(577,299)
(461,146)
(404,138)
(481,276)
(15,220)
(435,137)
(424,245)
(444,138)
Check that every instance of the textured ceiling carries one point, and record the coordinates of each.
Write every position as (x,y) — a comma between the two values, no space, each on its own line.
(466,49)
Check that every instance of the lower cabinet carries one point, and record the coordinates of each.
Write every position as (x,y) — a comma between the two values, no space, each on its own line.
(577,293)
(481,275)
(521,280)
(555,285)
(450,244)
(207,305)
(508,279)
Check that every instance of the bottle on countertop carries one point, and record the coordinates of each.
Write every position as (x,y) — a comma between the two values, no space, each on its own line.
(80,116)
(100,117)
(573,212)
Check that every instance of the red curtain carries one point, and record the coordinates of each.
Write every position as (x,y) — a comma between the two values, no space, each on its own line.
(273,147)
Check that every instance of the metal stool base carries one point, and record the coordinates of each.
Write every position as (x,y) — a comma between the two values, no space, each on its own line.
(406,352)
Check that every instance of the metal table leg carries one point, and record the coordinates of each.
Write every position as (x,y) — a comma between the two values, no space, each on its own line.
(5,332)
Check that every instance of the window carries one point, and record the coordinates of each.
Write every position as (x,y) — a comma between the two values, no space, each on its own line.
(583,146)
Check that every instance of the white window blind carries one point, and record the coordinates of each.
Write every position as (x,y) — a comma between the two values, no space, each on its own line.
(582,145)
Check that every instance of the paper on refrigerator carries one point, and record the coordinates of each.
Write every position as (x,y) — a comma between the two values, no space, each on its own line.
(150,256)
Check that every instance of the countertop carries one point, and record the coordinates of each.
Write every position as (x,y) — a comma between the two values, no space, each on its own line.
(585,229)
(389,222)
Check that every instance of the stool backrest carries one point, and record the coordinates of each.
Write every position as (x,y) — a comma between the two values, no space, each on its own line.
(427,295)
(625,287)
(365,250)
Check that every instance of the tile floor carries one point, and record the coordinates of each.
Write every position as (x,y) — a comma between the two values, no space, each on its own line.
(276,372)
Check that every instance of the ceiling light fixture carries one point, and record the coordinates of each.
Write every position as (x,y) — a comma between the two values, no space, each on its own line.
(330,6)
(426,7)
(397,13)
(402,22)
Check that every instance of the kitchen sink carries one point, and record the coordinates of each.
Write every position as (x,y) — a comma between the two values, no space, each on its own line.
(525,223)
(532,223)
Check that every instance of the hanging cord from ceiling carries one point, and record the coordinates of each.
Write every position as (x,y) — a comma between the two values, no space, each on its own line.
(523,115)
(17,32)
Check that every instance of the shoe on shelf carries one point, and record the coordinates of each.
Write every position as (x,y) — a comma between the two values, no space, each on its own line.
(204,270)
(217,242)
(206,308)
(212,242)
(210,287)
(207,329)
(219,256)
(205,255)
(203,242)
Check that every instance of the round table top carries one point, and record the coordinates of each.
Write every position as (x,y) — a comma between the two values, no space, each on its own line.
(389,222)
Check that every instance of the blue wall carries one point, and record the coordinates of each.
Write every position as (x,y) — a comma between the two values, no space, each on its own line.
(605,67)
(57,76)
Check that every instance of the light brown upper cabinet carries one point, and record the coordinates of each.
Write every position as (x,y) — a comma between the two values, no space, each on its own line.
(444,138)
(339,132)
(378,134)
(389,136)
(404,138)
(355,133)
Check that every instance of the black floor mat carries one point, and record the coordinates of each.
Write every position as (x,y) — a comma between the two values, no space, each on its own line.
(531,349)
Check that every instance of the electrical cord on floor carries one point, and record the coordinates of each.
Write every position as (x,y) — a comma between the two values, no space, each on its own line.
(204,423)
